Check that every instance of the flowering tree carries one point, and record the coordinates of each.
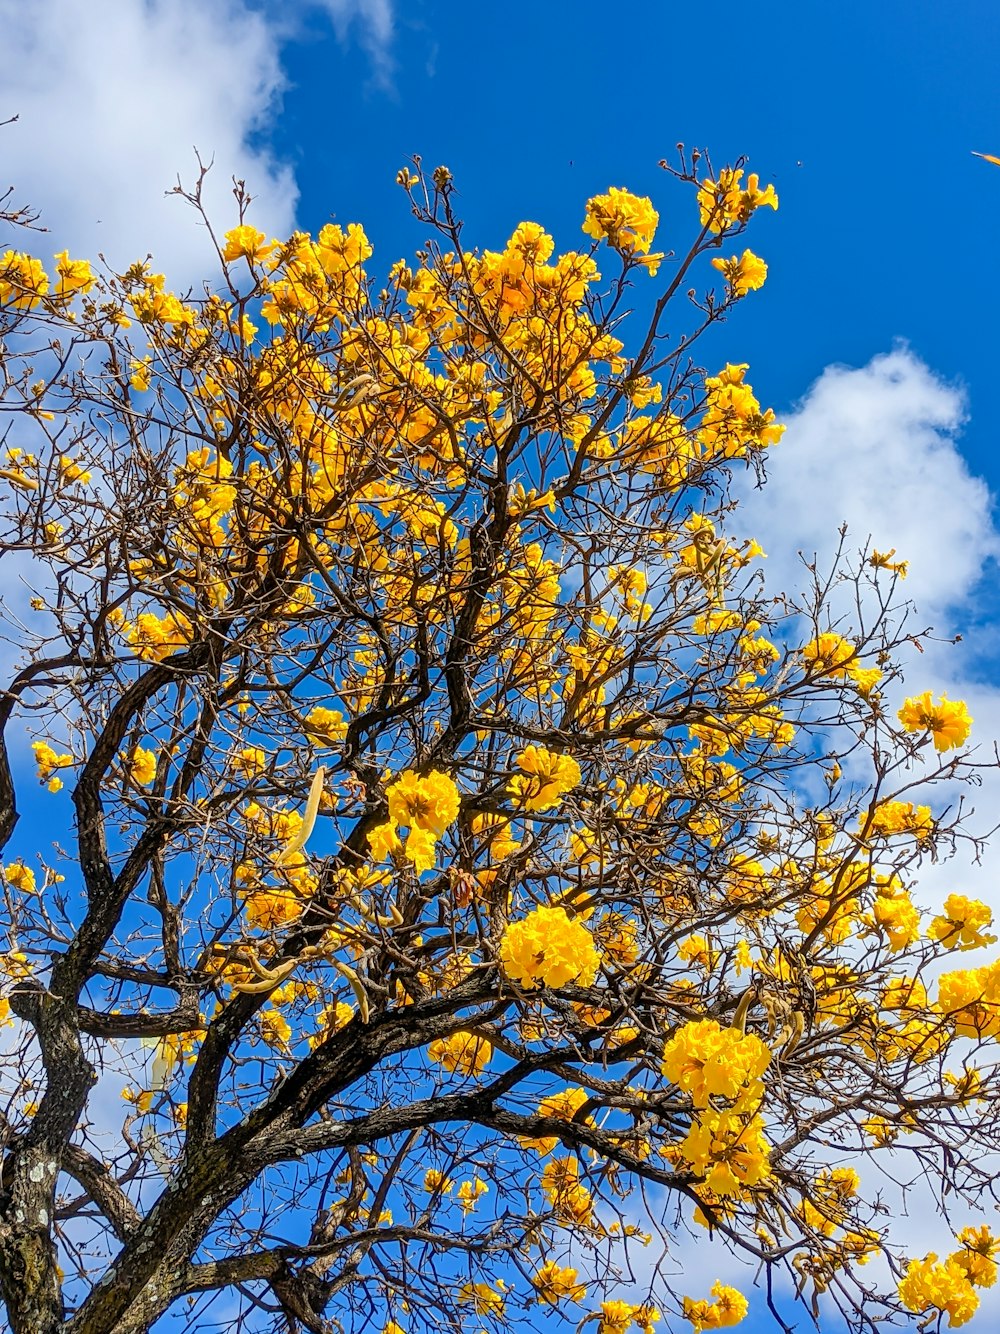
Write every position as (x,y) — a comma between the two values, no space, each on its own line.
(467,868)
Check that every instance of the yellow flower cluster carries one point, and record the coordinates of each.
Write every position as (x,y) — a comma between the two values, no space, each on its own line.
(949,1285)
(425,805)
(947,721)
(706,1060)
(554,1283)
(962,924)
(75,275)
(48,760)
(548,948)
(23,280)
(154,637)
(20,877)
(142,769)
(725,1144)
(831,655)
(744,273)
(616,1317)
(247,243)
(325,726)
(628,222)
(330,1020)
(545,778)
(970,1000)
(898,817)
(463,1053)
(727,203)
(564,1107)
(894,913)
(470,1192)
(571,1201)
(728,1308)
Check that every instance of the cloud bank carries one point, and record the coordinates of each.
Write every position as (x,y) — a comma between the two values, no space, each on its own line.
(112,105)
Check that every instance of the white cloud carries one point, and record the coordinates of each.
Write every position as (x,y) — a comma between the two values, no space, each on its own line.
(375,24)
(875,447)
(112,104)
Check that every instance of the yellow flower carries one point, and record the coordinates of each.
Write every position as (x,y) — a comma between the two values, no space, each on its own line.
(20,877)
(469,1193)
(707,1060)
(421,849)
(547,948)
(895,914)
(330,1019)
(961,925)
(248,243)
(250,761)
(729,1308)
(325,726)
(48,761)
(23,281)
(141,374)
(75,275)
(545,777)
(155,638)
(564,1107)
(930,1286)
(143,767)
(483,1299)
(616,1316)
(723,203)
(571,1201)
(274,1027)
(900,817)
(270,909)
(461,1052)
(976,1257)
(435,1182)
(746,273)
(429,802)
(829,655)
(554,1284)
(882,560)
(628,222)
(948,721)
(384,841)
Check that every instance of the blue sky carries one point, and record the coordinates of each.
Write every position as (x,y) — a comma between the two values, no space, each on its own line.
(863,115)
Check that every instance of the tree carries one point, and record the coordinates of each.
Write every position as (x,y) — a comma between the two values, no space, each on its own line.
(469,865)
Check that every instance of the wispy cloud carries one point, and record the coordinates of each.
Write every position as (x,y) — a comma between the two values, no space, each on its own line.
(373,21)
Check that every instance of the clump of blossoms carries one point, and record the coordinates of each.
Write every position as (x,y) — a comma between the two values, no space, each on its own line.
(744,273)
(461,1053)
(728,1308)
(706,1061)
(616,1317)
(938,1287)
(554,1283)
(831,655)
(548,948)
(947,721)
(49,760)
(425,805)
(726,202)
(626,221)
(544,779)
(721,1069)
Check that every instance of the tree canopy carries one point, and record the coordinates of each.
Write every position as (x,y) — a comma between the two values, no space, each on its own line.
(478,878)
